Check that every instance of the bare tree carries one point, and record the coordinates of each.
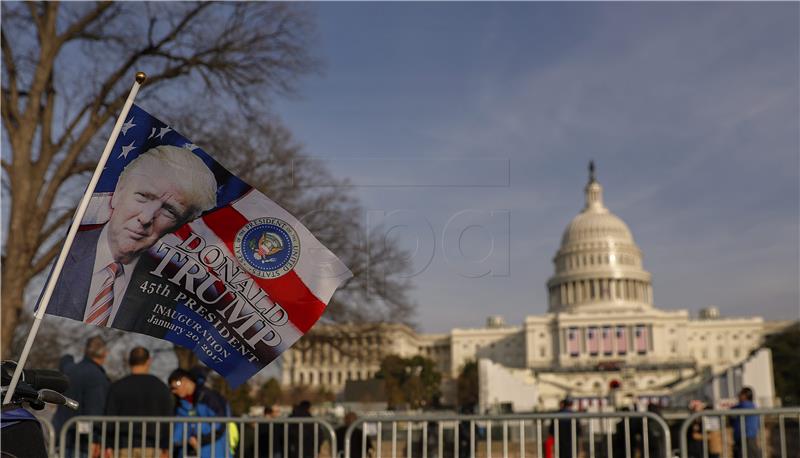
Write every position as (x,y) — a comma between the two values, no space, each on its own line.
(66,72)
(53,128)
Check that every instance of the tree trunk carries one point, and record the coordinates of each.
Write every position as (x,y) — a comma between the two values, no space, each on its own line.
(13,298)
(20,251)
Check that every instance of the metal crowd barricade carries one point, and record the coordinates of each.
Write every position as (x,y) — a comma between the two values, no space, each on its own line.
(786,444)
(284,436)
(443,436)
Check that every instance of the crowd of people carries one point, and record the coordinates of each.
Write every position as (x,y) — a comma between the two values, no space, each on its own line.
(141,394)
(704,438)
(185,394)
(706,432)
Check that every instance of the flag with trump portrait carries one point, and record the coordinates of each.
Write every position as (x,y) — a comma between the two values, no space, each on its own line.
(175,246)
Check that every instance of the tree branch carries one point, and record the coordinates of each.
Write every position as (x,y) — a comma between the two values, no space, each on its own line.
(45,259)
(67,164)
(41,75)
(125,67)
(32,9)
(94,105)
(46,119)
(81,167)
(11,92)
(55,225)
(78,28)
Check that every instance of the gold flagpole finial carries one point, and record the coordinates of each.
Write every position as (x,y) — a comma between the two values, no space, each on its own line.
(141,77)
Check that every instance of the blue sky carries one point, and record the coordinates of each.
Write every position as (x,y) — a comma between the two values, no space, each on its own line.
(468,128)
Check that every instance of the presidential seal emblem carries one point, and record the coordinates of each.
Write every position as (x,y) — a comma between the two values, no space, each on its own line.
(267,247)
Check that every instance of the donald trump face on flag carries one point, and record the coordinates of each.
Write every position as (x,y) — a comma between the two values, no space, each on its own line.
(150,201)
(156,193)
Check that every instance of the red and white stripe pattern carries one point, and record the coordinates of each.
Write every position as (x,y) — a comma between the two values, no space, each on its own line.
(104,300)
(608,341)
(592,340)
(304,291)
(640,340)
(573,343)
(622,340)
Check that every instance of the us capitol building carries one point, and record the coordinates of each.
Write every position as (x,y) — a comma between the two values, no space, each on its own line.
(601,342)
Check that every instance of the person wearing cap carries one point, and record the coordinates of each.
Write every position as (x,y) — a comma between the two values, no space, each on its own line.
(195,400)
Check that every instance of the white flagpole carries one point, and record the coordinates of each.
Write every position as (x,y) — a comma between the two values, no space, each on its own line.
(51,284)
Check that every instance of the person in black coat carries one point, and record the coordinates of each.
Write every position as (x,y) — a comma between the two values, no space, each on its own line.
(139,394)
(565,431)
(356,439)
(306,442)
(88,384)
(267,433)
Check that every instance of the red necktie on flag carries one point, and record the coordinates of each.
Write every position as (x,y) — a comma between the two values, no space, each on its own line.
(101,306)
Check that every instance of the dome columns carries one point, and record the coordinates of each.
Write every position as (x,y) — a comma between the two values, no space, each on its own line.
(598,266)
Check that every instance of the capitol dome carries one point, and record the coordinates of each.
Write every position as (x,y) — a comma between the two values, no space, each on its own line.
(598,266)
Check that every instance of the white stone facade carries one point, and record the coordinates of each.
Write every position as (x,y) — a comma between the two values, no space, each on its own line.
(601,326)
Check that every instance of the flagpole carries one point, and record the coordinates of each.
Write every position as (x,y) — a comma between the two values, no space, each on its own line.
(51,284)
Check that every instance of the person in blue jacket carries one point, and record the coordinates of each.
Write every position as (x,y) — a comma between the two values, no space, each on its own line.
(195,400)
(751,427)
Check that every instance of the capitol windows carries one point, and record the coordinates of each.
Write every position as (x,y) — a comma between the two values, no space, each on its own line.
(705,353)
(736,352)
